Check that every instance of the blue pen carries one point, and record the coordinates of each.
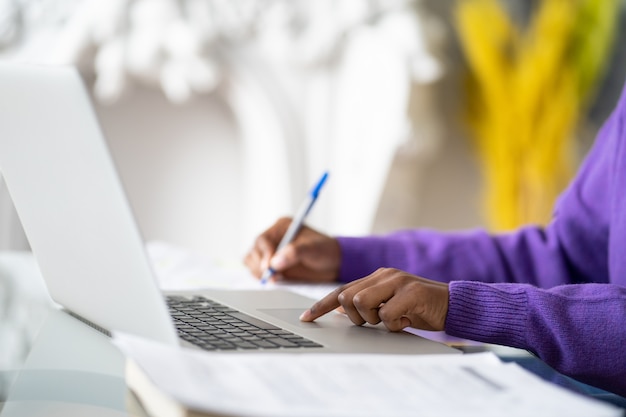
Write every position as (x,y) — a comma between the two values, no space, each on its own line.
(297,222)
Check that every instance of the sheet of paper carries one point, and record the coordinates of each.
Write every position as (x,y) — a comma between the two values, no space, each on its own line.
(347,385)
(178,269)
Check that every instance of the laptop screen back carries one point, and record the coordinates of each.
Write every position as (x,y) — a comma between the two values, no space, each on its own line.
(71,202)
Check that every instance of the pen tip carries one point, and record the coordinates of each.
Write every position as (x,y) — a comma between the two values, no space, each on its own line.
(266,276)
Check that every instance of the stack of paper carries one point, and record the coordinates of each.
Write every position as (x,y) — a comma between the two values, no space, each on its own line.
(171,381)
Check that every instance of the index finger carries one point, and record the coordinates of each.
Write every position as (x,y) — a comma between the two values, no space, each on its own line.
(323,306)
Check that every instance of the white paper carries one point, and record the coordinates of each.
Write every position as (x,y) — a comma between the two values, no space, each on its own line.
(180,270)
(177,269)
(252,384)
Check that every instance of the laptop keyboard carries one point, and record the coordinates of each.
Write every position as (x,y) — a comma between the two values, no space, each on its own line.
(213,326)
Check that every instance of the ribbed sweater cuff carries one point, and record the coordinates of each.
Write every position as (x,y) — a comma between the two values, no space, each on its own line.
(489,313)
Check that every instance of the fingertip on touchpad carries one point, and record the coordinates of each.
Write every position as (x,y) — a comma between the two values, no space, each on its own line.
(292,316)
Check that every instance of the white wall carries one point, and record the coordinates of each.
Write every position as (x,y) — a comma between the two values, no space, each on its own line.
(181,168)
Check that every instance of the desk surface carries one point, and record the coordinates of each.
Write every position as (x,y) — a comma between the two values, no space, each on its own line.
(52,364)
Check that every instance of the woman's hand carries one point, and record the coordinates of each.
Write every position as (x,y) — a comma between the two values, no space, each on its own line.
(311,257)
(395,297)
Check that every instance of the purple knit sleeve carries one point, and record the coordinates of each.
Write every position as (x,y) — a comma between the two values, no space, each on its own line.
(577,329)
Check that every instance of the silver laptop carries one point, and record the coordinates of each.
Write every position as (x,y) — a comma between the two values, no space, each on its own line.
(80,226)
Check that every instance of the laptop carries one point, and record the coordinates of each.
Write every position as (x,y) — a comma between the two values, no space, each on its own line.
(79,223)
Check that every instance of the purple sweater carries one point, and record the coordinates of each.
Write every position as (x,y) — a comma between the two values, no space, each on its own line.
(558,291)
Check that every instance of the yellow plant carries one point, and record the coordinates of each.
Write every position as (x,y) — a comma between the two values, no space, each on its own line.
(528,88)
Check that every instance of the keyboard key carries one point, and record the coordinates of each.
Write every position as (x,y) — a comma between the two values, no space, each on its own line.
(253,321)
(279,332)
(282,342)
(309,343)
(265,344)
(246,345)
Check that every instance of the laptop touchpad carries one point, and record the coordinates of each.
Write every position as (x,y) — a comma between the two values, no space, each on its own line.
(292,316)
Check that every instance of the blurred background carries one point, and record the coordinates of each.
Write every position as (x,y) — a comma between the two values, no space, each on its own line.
(221,114)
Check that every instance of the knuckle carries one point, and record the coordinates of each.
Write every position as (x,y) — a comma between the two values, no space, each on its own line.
(385,273)
(343,297)
(385,316)
(283,222)
(358,301)
(392,323)
(339,290)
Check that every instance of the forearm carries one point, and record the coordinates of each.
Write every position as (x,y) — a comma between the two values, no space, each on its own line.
(530,255)
(577,329)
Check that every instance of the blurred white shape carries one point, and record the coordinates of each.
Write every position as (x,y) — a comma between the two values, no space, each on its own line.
(371,122)
(143,58)
(352,13)
(201,19)
(203,74)
(109,64)
(9,22)
(109,19)
(174,82)
(180,41)
(319,42)
(75,38)
(145,37)
(265,131)
(405,33)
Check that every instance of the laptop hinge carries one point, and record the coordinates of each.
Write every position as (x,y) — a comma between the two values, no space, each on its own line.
(89,323)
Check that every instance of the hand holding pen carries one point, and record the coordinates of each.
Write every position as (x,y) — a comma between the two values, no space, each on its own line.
(300,255)
(297,222)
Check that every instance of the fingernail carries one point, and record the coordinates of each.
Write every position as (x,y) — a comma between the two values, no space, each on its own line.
(305,315)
